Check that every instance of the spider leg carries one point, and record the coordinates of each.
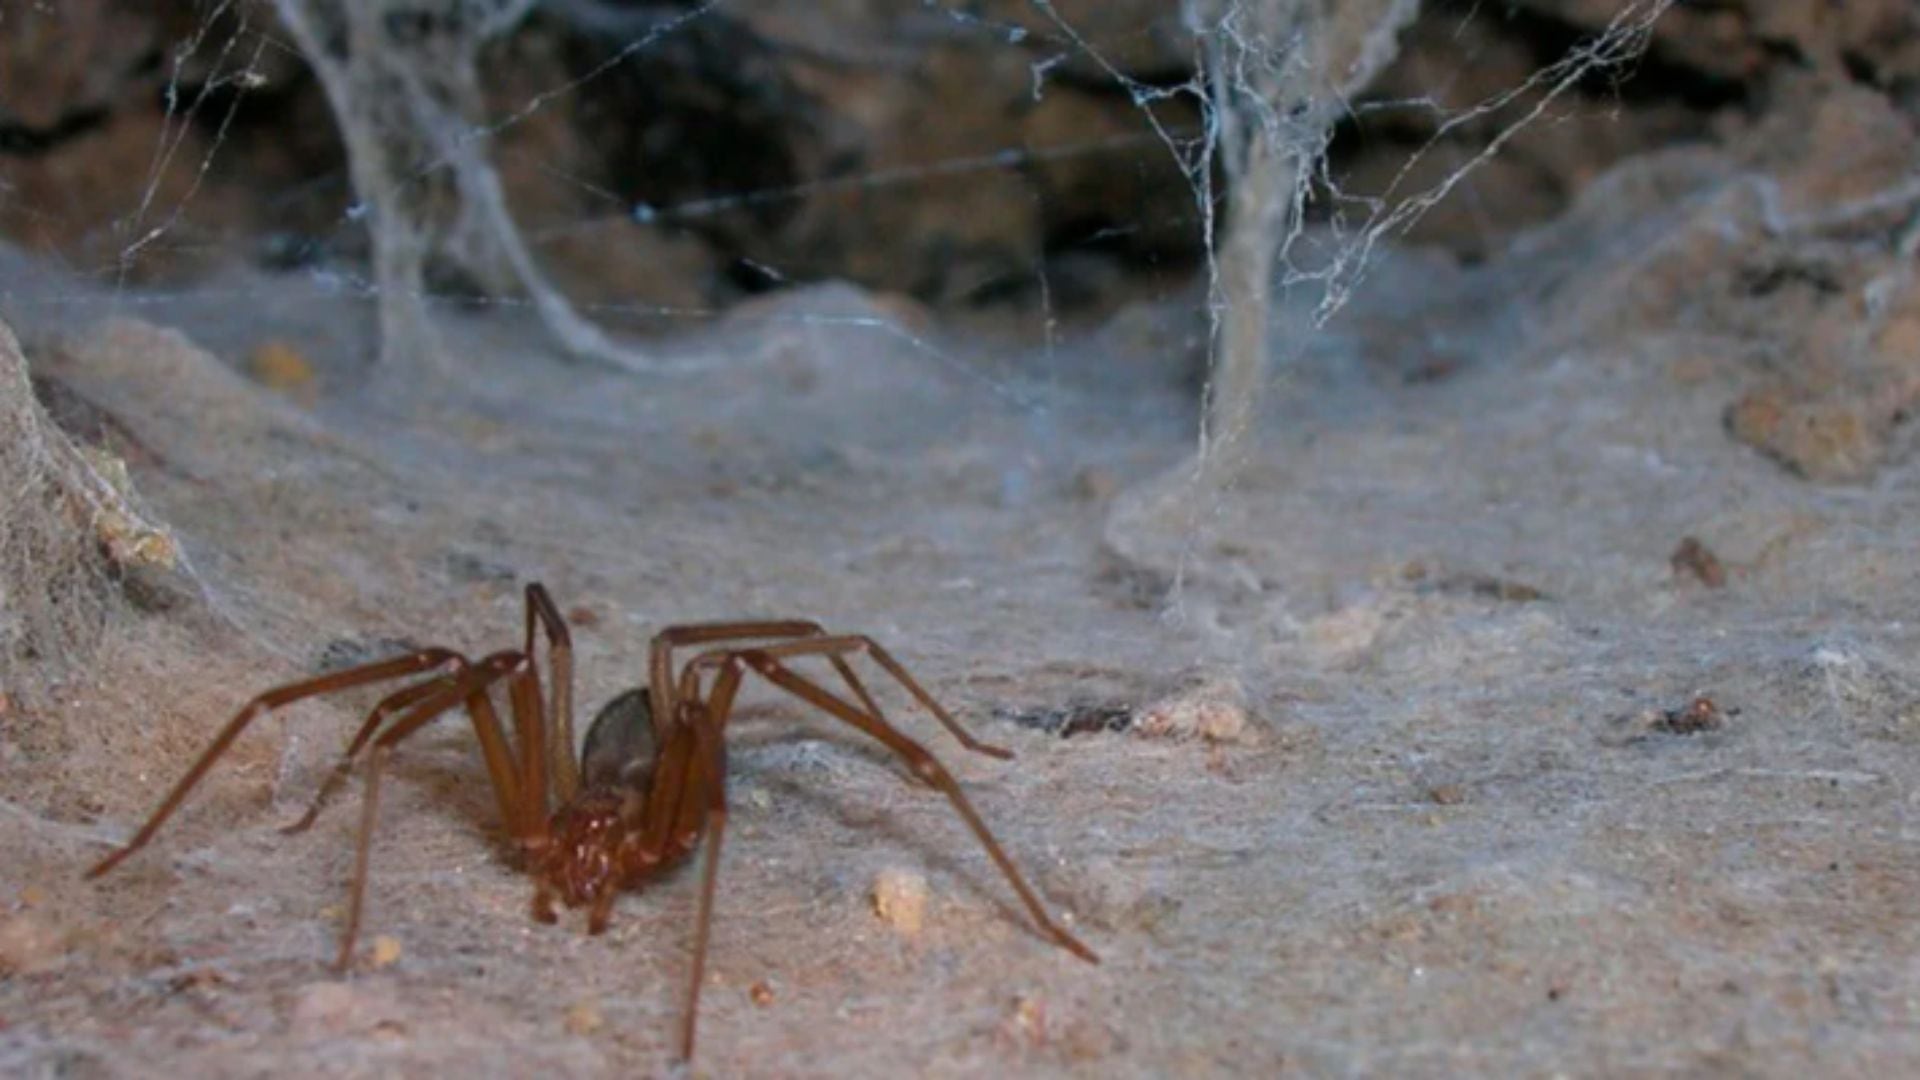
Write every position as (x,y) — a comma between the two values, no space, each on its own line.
(562,756)
(665,693)
(709,787)
(660,654)
(379,671)
(836,649)
(899,672)
(471,687)
(523,696)
(388,705)
(923,764)
(671,777)
(528,720)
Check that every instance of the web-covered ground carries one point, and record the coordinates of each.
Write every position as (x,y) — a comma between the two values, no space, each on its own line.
(1471,827)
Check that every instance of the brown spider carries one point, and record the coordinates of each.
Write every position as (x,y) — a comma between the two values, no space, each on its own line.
(651,778)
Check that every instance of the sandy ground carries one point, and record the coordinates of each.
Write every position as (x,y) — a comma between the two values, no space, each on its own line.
(1471,827)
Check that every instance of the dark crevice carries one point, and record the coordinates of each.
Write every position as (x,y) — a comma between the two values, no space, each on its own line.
(1102,84)
(1652,85)
(20,139)
(1860,68)
(1783,52)
(1760,282)
(706,111)
(1650,78)
(752,278)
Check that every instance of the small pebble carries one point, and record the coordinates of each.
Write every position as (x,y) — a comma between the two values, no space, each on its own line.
(386,950)
(282,367)
(331,1009)
(28,944)
(1026,1022)
(900,899)
(1214,710)
(761,994)
(1701,714)
(1345,636)
(1095,484)
(1698,560)
(584,1018)
(196,979)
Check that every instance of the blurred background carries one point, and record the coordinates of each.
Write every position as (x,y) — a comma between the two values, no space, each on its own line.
(992,158)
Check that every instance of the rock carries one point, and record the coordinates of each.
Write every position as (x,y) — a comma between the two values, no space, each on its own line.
(1818,438)
(584,1017)
(279,365)
(1213,708)
(29,942)
(386,952)
(900,899)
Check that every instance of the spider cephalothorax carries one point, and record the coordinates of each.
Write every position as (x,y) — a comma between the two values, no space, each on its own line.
(579,861)
(651,780)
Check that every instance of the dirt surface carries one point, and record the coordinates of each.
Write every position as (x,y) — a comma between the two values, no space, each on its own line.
(1476,820)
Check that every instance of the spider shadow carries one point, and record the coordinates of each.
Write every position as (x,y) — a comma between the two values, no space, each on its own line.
(441,765)
(862,816)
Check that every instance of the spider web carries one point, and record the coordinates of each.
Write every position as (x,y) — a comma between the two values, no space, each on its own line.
(1269,83)
(1440,600)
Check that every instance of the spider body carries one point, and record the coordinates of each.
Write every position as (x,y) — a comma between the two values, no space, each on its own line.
(649,787)
(594,846)
(590,852)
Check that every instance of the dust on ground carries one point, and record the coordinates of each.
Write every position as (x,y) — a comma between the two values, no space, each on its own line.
(1391,758)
